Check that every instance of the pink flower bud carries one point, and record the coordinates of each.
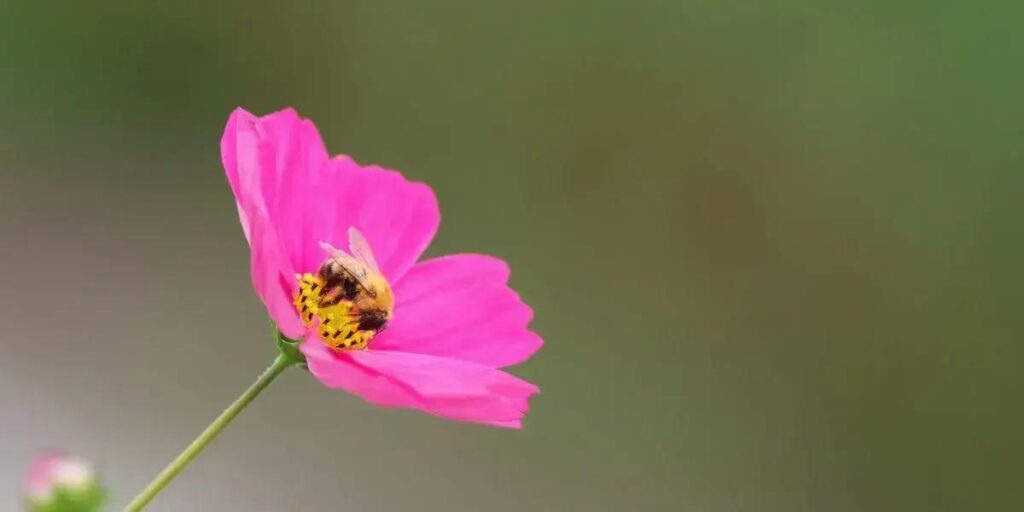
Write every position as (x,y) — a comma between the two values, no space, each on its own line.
(58,482)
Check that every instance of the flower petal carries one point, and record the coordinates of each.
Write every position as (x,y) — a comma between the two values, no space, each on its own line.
(249,165)
(40,475)
(398,217)
(460,307)
(273,164)
(450,388)
(274,279)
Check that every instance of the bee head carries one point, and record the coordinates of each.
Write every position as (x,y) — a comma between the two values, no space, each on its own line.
(374,320)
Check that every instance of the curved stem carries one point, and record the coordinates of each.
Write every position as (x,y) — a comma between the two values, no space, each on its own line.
(280,364)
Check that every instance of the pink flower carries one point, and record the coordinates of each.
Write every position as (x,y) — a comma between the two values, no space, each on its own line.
(454,321)
(58,481)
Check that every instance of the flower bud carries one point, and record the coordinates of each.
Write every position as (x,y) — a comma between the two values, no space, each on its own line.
(61,483)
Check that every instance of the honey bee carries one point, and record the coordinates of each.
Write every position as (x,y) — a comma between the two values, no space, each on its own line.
(348,294)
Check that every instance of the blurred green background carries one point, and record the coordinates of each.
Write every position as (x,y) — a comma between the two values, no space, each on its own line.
(774,248)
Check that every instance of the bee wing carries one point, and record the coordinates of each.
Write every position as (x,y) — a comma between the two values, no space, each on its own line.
(359,248)
(354,266)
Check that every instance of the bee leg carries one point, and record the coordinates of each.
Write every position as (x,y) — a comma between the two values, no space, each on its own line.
(327,301)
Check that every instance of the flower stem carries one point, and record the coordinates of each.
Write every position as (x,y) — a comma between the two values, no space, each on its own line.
(280,364)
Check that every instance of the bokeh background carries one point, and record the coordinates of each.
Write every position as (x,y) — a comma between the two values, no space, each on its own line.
(774,248)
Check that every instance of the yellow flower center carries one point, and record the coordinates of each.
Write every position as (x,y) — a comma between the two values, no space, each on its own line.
(339,327)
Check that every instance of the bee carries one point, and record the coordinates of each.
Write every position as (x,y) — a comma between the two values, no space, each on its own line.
(349,294)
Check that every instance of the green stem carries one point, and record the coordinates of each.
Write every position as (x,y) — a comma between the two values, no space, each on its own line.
(283,361)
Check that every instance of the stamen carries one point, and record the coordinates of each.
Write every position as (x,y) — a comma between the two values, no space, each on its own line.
(339,325)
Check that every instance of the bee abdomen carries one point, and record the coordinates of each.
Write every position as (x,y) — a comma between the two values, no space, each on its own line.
(338,285)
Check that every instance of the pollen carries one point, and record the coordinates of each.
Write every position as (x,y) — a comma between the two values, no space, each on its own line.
(336,324)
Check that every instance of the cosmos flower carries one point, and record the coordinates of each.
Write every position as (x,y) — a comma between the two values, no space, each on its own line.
(334,257)
(60,483)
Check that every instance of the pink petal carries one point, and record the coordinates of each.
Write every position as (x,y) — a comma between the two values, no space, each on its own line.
(301,216)
(460,307)
(273,164)
(398,217)
(274,279)
(450,388)
(40,474)
(249,166)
